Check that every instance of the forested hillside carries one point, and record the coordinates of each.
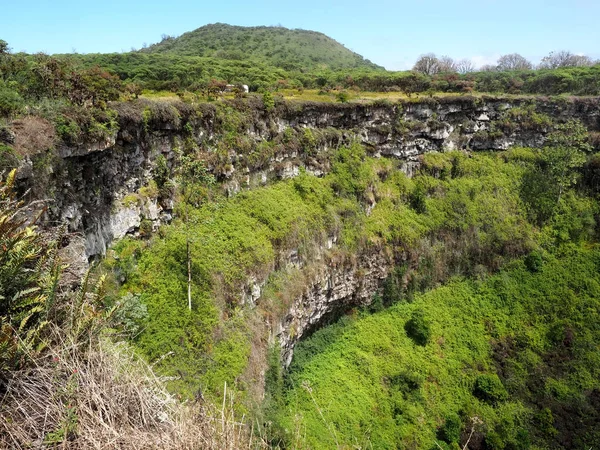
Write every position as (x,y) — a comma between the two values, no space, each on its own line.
(275,46)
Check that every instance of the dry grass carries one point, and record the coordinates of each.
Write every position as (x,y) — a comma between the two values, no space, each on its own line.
(104,397)
(33,135)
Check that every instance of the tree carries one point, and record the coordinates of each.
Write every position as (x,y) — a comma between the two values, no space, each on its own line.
(563,58)
(93,86)
(489,388)
(513,61)
(427,64)
(215,87)
(446,64)
(557,169)
(488,68)
(417,328)
(4,48)
(465,66)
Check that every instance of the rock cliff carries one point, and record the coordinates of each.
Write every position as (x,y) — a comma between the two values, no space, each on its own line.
(124,183)
(90,186)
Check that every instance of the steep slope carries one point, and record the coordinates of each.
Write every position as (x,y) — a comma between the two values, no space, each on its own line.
(277,46)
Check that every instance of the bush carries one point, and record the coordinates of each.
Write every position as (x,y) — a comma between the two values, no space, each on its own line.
(130,313)
(534,261)
(450,431)
(268,101)
(490,389)
(10,101)
(417,328)
(342,97)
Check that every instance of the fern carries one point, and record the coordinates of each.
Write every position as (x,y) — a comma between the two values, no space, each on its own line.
(28,278)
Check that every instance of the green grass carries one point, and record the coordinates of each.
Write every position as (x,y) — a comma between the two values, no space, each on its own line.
(364,382)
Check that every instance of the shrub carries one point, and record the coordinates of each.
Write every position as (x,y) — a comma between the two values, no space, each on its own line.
(67,129)
(342,97)
(393,286)
(160,172)
(10,101)
(146,228)
(130,313)
(534,261)
(417,328)
(490,389)
(351,174)
(450,431)
(268,101)
(418,199)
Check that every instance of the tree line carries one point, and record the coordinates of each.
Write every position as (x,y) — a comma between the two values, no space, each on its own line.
(93,80)
(430,64)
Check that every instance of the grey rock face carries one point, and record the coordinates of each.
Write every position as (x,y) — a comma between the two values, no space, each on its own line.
(88,184)
(336,288)
(88,181)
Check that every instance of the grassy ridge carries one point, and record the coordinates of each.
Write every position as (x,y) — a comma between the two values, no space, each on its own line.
(275,46)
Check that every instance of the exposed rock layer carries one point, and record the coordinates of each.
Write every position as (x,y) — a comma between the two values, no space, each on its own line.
(96,188)
(87,183)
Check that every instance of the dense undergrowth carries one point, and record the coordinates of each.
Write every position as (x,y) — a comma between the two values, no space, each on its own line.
(68,378)
(513,357)
(240,238)
(462,215)
(493,361)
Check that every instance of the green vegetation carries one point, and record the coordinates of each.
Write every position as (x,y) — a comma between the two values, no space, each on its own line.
(59,354)
(485,331)
(516,350)
(229,240)
(274,46)
(461,215)
(28,280)
(508,360)
(176,72)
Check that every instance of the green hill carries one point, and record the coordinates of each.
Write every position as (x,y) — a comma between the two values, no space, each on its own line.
(276,46)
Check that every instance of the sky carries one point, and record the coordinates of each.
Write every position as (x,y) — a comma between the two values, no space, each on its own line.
(389,33)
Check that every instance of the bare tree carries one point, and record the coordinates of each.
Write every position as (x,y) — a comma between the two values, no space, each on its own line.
(465,66)
(446,64)
(564,58)
(427,64)
(583,61)
(513,61)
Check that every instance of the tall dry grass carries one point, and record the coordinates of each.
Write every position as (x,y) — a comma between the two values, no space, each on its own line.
(102,396)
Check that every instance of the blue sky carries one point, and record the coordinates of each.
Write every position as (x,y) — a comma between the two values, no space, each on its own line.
(390,33)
